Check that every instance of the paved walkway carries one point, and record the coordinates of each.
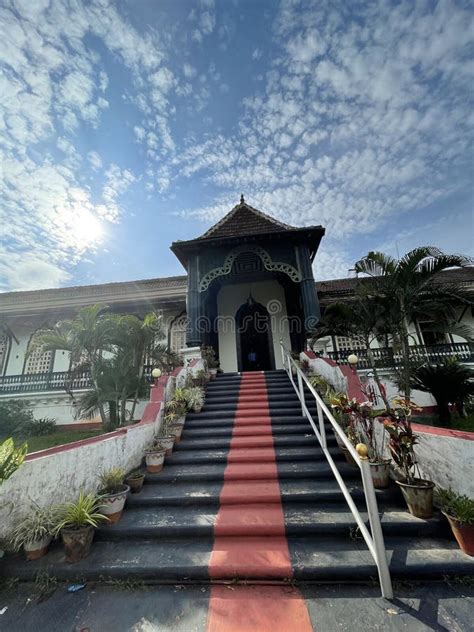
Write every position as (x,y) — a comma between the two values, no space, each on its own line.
(101,608)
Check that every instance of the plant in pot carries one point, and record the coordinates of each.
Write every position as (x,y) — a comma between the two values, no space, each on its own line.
(209,355)
(76,524)
(459,510)
(178,405)
(374,438)
(135,480)
(173,426)
(113,493)
(418,492)
(35,532)
(155,455)
(342,409)
(195,398)
(200,378)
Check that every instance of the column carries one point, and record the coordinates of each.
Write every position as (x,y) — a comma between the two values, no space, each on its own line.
(312,312)
(193,304)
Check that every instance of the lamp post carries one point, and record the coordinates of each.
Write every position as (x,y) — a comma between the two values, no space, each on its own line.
(352,359)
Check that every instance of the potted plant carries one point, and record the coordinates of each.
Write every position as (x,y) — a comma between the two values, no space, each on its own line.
(135,481)
(375,442)
(200,378)
(418,492)
(35,532)
(195,398)
(178,405)
(155,456)
(209,355)
(76,524)
(174,426)
(113,493)
(459,510)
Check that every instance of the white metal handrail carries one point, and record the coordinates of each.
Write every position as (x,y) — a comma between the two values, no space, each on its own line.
(375,541)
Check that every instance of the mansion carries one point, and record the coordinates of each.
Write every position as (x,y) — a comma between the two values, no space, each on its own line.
(248,285)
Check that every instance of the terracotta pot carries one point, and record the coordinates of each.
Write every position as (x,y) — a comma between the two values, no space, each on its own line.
(349,458)
(197,409)
(77,543)
(168,443)
(380,474)
(176,430)
(154,460)
(464,534)
(111,505)
(419,497)
(135,483)
(38,548)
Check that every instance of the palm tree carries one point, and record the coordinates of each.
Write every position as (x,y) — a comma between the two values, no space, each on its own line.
(410,287)
(113,348)
(363,318)
(448,383)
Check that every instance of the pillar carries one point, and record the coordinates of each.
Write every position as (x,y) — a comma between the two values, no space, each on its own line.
(193,304)
(311,309)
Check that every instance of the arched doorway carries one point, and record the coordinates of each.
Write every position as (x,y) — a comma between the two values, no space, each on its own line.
(254,337)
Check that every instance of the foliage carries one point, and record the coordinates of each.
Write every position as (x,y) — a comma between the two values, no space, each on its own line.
(402,440)
(359,424)
(201,378)
(42,427)
(322,386)
(111,481)
(15,418)
(194,397)
(135,474)
(61,437)
(39,524)
(458,506)
(364,319)
(411,287)
(10,458)
(84,512)
(113,348)
(450,382)
(209,355)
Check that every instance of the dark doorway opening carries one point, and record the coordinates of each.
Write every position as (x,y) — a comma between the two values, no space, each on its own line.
(254,338)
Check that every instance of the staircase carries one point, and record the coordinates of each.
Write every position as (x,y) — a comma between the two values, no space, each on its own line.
(247,494)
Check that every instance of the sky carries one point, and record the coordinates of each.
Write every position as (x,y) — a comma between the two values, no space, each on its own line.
(127,125)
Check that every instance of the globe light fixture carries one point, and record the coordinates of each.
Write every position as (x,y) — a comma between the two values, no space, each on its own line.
(156,373)
(353,359)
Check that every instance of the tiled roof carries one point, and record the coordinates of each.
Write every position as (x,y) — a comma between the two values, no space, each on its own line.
(348,285)
(243,220)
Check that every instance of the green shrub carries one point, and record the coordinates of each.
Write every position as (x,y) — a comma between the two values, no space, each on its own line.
(15,418)
(42,427)
(456,505)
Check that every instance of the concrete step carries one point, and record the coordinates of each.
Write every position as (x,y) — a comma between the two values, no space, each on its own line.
(187,560)
(252,455)
(251,442)
(215,471)
(299,519)
(254,430)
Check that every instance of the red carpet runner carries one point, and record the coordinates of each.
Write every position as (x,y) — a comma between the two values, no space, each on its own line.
(250,540)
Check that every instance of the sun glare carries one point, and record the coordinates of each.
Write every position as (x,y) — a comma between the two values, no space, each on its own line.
(86,228)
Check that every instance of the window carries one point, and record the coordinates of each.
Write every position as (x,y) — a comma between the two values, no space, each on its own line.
(430,337)
(4,346)
(344,343)
(38,362)
(178,333)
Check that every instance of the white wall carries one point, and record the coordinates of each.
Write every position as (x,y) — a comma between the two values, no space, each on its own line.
(59,477)
(270,294)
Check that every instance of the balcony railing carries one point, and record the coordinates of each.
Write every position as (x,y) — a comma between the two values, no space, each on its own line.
(54,381)
(387,357)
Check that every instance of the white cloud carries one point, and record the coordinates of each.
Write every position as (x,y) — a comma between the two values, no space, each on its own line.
(95,160)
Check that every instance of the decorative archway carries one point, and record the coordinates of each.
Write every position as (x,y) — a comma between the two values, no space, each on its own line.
(254,337)
(268,263)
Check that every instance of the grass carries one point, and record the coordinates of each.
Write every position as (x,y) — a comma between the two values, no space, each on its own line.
(59,438)
(457,423)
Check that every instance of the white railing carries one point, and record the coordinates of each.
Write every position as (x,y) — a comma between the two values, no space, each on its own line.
(374,540)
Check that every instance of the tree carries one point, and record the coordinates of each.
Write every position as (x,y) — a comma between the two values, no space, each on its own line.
(410,287)
(449,383)
(362,318)
(113,348)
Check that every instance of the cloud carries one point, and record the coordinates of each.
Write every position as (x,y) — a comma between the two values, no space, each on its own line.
(95,160)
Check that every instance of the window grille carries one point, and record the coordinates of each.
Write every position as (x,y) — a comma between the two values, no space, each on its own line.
(346,343)
(4,344)
(38,362)
(178,334)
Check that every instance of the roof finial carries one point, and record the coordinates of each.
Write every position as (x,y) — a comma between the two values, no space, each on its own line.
(242,198)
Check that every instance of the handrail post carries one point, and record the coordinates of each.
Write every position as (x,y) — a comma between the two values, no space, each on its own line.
(322,427)
(375,526)
(301,391)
